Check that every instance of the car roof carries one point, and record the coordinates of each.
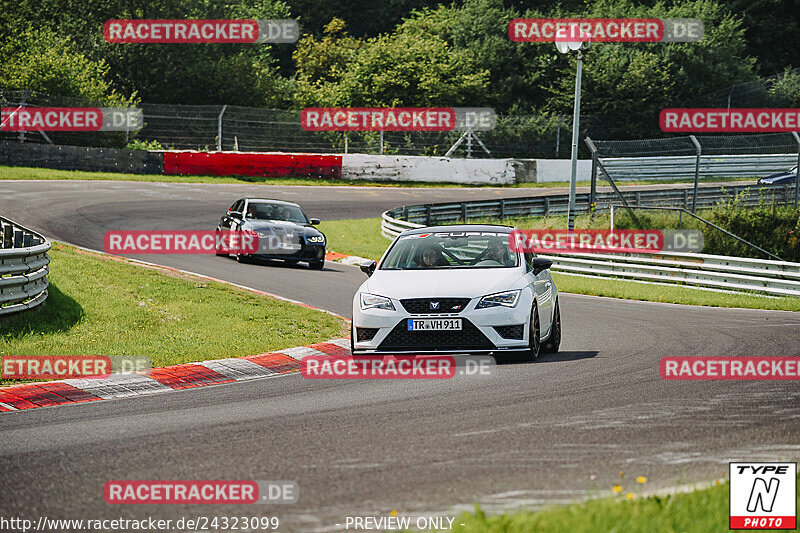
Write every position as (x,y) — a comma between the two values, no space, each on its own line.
(497,228)
(270,200)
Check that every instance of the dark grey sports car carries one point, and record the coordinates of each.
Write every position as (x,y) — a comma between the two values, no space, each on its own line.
(284,231)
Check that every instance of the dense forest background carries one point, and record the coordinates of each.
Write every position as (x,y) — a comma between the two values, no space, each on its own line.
(410,53)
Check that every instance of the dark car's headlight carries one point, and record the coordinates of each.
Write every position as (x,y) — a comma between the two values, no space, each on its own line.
(315,238)
(500,299)
(373,301)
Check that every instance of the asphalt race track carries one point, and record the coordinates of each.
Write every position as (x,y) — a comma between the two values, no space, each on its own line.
(556,430)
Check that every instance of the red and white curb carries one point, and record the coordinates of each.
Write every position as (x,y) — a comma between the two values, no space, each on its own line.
(176,377)
(345,259)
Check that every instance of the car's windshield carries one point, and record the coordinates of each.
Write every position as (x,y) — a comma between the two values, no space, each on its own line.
(450,250)
(270,211)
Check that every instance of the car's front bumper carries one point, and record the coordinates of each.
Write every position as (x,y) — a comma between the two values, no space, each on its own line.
(479,333)
(307,252)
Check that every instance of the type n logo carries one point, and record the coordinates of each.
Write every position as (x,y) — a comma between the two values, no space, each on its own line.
(763,494)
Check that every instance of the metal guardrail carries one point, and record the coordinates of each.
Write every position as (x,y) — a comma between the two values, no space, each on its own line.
(777,278)
(536,206)
(683,167)
(23,267)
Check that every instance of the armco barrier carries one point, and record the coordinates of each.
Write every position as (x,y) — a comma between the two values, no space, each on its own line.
(252,164)
(557,204)
(777,278)
(23,267)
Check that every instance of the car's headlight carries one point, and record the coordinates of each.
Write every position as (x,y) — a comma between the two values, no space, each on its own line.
(263,234)
(316,238)
(373,301)
(504,299)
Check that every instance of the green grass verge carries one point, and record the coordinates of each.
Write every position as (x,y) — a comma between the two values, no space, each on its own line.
(30,173)
(105,306)
(699,511)
(363,237)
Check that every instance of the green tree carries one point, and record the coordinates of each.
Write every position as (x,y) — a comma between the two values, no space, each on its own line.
(43,61)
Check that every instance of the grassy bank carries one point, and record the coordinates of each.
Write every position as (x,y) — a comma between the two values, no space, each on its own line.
(700,511)
(25,173)
(363,237)
(105,306)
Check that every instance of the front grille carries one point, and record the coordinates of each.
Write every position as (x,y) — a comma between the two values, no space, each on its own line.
(511,332)
(419,306)
(365,334)
(468,338)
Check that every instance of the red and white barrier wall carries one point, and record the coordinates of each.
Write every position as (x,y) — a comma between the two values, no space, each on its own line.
(348,166)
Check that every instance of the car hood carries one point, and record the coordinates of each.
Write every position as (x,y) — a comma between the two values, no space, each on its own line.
(279,226)
(443,283)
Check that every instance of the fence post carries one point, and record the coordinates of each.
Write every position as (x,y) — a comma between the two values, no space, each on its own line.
(593,188)
(345,142)
(22,104)
(696,170)
(219,128)
(797,177)
(381,142)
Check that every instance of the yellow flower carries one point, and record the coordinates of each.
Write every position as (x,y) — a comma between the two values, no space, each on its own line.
(641,480)
(629,496)
(616,488)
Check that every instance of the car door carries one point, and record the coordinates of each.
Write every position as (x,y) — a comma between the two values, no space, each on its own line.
(543,288)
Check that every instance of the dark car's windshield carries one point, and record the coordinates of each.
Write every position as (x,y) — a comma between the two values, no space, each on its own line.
(450,250)
(270,211)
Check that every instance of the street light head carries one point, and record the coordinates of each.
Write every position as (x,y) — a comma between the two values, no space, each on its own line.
(573,41)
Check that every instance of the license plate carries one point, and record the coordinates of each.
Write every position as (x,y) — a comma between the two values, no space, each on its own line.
(434,324)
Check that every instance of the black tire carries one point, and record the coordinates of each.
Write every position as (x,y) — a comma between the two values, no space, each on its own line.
(554,341)
(534,343)
(534,338)
(243,258)
(352,338)
(316,265)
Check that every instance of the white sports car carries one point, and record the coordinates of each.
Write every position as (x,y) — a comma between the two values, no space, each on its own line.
(456,289)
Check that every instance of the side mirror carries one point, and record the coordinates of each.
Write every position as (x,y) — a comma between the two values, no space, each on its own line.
(540,264)
(368,268)
(313,221)
(234,214)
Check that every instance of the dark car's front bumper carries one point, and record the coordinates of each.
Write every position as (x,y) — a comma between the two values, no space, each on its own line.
(307,252)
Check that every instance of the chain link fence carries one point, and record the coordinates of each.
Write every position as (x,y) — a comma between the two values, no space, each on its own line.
(197,127)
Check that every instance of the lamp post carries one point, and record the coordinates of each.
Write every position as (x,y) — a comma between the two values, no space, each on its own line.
(564,46)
